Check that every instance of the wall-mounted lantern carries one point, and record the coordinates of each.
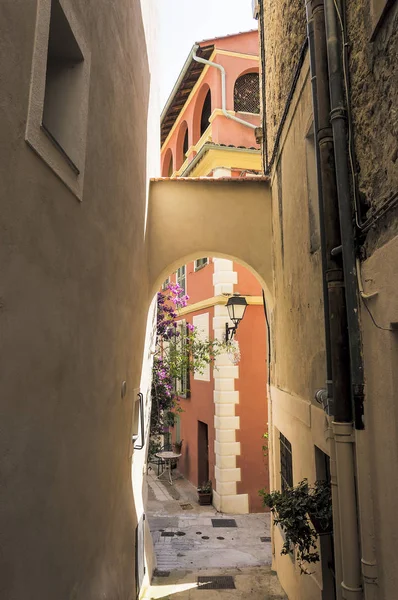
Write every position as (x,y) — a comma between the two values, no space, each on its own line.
(139,437)
(236,309)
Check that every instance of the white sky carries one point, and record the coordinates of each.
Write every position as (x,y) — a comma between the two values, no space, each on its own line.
(181,23)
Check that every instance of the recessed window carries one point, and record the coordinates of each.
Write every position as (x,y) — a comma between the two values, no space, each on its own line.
(56,127)
(64,86)
(286,462)
(247,93)
(165,283)
(200,263)
(181,279)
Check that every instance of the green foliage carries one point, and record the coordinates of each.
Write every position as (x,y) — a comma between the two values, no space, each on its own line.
(178,353)
(264,447)
(302,512)
(205,488)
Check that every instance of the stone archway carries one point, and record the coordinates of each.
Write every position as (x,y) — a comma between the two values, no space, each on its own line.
(231,221)
(225,218)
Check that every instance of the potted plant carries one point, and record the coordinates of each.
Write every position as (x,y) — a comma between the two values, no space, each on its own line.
(303,512)
(205,493)
(177,447)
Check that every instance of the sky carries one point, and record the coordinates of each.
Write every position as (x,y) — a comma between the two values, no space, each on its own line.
(181,23)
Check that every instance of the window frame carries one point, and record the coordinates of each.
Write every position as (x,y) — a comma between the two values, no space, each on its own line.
(182,383)
(198,267)
(286,462)
(180,278)
(37,136)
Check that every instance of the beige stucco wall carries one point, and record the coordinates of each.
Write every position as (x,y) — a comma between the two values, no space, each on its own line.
(298,337)
(73,309)
(225,218)
(380,273)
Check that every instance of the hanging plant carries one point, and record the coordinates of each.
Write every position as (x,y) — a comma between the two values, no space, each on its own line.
(303,512)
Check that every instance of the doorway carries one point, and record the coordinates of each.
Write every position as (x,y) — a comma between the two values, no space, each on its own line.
(203,452)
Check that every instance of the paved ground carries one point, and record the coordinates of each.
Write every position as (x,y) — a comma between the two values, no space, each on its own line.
(187,545)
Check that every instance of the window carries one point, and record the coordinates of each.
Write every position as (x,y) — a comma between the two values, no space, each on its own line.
(165,283)
(181,279)
(206,114)
(182,382)
(247,93)
(58,104)
(200,263)
(286,462)
(202,325)
(63,86)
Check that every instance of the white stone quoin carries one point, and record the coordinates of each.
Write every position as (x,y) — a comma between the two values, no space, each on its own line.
(225,496)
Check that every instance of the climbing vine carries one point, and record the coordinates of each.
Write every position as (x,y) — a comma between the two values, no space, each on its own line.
(180,350)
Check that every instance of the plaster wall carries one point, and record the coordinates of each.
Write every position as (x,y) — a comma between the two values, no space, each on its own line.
(198,407)
(73,312)
(242,206)
(378,443)
(298,347)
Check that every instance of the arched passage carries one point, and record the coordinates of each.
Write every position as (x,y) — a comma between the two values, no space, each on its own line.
(225,218)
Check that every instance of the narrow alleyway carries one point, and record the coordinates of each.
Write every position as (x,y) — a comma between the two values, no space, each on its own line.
(193,541)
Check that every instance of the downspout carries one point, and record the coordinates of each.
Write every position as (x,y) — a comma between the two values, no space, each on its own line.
(223,88)
(339,100)
(329,234)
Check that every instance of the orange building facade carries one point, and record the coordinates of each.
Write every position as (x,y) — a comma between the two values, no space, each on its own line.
(224,409)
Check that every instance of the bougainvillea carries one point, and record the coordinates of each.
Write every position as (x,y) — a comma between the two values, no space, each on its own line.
(179,349)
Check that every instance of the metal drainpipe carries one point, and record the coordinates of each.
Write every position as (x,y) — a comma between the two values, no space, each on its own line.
(328,229)
(223,89)
(339,100)
(344,502)
(343,430)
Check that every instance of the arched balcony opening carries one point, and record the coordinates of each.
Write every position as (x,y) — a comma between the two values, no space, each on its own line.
(206,113)
(182,145)
(202,113)
(168,167)
(247,93)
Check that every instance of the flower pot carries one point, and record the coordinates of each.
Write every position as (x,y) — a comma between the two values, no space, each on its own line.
(177,447)
(320,526)
(205,498)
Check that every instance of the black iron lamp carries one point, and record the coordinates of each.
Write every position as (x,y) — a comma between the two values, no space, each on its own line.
(236,309)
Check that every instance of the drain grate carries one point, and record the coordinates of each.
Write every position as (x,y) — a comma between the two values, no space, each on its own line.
(222,582)
(167,534)
(186,506)
(157,573)
(224,523)
(265,539)
(180,533)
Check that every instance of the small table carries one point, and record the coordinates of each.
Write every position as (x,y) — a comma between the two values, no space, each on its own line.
(168,457)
